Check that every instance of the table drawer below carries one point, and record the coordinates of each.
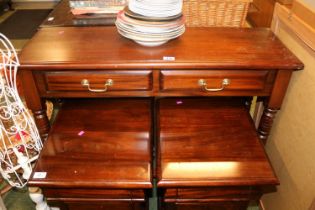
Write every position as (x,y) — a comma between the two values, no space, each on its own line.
(207,194)
(117,194)
(216,80)
(95,81)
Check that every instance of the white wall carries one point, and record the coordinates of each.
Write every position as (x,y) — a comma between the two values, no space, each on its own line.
(291,146)
(309,3)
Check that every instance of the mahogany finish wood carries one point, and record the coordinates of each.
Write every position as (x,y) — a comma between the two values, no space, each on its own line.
(213,206)
(219,145)
(35,102)
(213,194)
(64,49)
(217,134)
(261,13)
(98,150)
(219,157)
(61,83)
(198,48)
(241,82)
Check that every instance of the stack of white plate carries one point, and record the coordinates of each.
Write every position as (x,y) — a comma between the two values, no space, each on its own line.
(156,8)
(151,22)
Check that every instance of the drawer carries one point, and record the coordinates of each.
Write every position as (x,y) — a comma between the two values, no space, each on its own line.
(95,199)
(216,205)
(97,194)
(211,193)
(97,205)
(214,198)
(216,81)
(98,144)
(93,82)
(209,142)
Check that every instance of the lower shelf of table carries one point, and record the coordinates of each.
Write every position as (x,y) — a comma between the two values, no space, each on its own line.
(214,198)
(90,199)
(98,205)
(209,155)
(99,155)
(224,205)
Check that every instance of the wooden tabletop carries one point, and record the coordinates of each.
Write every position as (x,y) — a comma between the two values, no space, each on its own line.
(103,48)
(209,142)
(98,144)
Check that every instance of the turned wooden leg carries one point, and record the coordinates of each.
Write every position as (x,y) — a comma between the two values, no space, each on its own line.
(42,123)
(266,123)
(35,102)
(38,198)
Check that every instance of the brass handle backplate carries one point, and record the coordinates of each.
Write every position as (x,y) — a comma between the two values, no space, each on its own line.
(108,83)
(204,85)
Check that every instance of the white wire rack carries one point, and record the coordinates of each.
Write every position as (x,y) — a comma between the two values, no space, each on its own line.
(20,142)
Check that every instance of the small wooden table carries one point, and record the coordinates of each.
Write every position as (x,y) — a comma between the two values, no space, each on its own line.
(217,162)
(96,62)
(98,155)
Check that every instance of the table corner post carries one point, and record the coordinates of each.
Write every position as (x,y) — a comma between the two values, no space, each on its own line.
(34,102)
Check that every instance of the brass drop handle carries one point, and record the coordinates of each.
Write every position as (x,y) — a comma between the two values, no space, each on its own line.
(203,84)
(86,83)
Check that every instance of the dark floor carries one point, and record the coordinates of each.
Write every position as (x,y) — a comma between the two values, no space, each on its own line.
(18,199)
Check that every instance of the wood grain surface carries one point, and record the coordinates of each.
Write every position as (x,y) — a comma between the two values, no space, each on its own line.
(209,142)
(103,47)
(98,144)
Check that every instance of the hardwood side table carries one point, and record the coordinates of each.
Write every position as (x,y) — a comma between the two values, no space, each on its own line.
(222,64)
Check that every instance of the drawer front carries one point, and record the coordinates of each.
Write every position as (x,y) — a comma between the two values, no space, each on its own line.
(97,194)
(217,205)
(97,205)
(211,194)
(93,82)
(89,199)
(216,81)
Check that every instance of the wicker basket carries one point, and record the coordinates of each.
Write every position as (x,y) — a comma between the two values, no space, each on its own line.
(215,13)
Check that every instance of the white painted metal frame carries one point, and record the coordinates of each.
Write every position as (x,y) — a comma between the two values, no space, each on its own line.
(20,142)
